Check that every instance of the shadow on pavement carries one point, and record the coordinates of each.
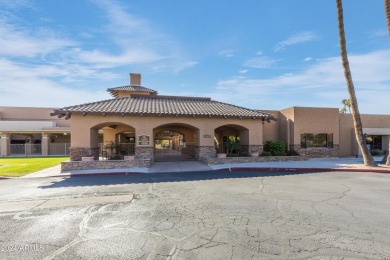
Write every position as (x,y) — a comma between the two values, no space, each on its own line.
(118,179)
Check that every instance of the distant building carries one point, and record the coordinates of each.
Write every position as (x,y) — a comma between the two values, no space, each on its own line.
(319,132)
(31,131)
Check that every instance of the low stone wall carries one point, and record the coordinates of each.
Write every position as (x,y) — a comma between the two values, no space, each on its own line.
(109,164)
(253,148)
(75,153)
(144,153)
(228,160)
(317,152)
(205,152)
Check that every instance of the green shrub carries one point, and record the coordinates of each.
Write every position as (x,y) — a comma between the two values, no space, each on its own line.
(244,154)
(116,157)
(376,152)
(276,148)
(265,153)
(292,152)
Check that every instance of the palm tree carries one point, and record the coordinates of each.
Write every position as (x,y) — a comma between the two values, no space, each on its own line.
(386,158)
(387,13)
(346,103)
(368,160)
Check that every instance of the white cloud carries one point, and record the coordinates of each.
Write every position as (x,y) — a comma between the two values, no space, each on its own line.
(15,3)
(261,62)
(20,42)
(135,42)
(379,33)
(226,53)
(321,84)
(41,67)
(130,56)
(295,39)
(33,86)
(138,42)
(243,71)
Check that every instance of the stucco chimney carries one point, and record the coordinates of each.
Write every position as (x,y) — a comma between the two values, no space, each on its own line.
(135,79)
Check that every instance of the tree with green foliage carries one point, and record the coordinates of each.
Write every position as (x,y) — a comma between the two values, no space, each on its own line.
(346,104)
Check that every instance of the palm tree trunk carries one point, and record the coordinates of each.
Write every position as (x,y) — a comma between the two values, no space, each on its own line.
(386,158)
(387,13)
(368,160)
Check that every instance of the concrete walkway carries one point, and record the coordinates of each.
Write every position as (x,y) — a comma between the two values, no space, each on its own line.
(315,163)
(339,164)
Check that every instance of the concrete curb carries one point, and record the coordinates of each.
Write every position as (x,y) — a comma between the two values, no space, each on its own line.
(290,169)
(302,169)
(96,174)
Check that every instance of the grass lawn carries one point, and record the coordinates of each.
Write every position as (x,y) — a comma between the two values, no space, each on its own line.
(16,167)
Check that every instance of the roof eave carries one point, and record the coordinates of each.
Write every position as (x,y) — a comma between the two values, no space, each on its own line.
(67,113)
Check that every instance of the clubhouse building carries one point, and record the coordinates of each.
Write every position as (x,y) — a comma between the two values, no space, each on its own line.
(139,122)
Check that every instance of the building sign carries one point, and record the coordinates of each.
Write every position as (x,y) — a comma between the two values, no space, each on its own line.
(144,140)
(206,136)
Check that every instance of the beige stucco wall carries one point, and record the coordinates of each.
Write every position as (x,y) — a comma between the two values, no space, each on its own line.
(271,130)
(84,127)
(315,120)
(286,125)
(124,93)
(111,133)
(291,123)
(373,124)
(31,114)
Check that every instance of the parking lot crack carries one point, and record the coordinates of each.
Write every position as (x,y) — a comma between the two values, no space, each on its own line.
(341,196)
(261,185)
(83,227)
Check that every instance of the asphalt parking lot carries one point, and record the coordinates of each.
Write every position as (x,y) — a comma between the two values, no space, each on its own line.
(197,215)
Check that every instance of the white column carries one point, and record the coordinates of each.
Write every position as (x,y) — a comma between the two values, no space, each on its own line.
(4,144)
(45,144)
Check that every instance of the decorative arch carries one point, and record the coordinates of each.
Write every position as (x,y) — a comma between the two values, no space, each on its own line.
(231,138)
(175,141)
(113,139)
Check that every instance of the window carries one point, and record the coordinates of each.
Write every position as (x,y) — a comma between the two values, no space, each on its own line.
(309,140)
(374,142)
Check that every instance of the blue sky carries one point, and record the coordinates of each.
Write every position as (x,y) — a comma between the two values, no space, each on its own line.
(260,54)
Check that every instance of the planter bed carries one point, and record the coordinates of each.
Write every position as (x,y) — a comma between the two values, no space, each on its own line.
(108,164)
(228,160)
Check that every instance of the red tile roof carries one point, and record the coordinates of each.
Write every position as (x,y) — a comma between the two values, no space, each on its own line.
(130,88)
(164,106)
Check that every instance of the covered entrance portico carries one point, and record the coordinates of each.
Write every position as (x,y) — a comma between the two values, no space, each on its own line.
(160,127)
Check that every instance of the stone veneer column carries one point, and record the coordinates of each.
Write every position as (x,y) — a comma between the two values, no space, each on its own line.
(254,148)
(45,144)
(317,152)
(144,153)
(206,152)
(5,141)
(75,153)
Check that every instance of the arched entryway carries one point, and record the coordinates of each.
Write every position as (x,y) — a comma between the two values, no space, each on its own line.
(232,139)
(174,142)
(115,140)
